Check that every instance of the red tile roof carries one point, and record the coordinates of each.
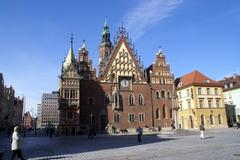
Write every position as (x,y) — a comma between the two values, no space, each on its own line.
(195,78)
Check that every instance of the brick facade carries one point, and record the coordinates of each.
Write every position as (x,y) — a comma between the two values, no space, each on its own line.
(125,95)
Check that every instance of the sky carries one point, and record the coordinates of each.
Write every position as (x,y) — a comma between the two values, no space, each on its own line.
(194,35)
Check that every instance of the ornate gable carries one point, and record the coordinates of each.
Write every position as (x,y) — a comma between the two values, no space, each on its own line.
(123,63)
(70,72)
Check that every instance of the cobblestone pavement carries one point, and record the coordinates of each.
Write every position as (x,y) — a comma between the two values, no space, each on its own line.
(220,144)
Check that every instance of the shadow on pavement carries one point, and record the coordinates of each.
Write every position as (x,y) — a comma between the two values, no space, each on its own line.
(44,148)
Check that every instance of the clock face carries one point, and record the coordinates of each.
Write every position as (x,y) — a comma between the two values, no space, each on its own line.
(124,83)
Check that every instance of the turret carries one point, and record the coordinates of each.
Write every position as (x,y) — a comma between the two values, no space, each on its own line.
(105,46)
(70,57)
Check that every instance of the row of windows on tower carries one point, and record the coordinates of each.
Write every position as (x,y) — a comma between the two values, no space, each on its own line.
(131,117)
(70,93)
(141,116)
(131,100)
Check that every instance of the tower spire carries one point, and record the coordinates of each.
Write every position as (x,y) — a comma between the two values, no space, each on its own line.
(71,41)
(105,22)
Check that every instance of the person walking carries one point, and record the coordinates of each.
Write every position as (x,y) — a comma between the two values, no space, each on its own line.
(202,129)
(16,150)
(139,134)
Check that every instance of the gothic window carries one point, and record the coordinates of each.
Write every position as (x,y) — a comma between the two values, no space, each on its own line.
(131,99)
(164,111)
(131,117)
(141,100)
(72,93)
(157,114)
(116,118)
(157,94)
(66,93)
(141,117)
(163,94)
(107,99)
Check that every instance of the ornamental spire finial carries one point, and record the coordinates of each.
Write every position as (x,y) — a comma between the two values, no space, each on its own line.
(71,41)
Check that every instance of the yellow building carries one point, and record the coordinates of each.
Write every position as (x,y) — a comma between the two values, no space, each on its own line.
(200,100)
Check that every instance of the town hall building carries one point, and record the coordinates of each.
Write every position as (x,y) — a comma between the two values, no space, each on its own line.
(124,94)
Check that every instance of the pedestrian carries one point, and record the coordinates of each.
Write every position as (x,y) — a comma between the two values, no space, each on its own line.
(139,134)
(202,129)
(16,149)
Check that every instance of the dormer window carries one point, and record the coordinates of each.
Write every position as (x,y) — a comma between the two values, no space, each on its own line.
(207,81)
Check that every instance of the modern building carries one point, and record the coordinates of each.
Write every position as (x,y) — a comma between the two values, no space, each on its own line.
(48,110)
(200,101)
(11,107)
(231,93)
(39,115)
(124,95)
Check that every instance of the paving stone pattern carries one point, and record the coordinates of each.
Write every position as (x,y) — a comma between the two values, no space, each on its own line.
(220,144)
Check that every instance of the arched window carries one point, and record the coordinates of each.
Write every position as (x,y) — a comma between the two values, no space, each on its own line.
(163,94)
(211,119)
(164,111)
(202,119)
(170,113)
(131,99)
(157,114)
(107,99)
(157,94)
(140,100)
(191,123)
(168,95)
(219,119)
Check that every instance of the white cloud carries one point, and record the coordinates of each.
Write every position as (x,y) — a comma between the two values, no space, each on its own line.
(147,14)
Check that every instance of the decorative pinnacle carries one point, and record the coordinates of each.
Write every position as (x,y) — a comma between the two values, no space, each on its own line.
(84,44)
(159,49)
(105,22)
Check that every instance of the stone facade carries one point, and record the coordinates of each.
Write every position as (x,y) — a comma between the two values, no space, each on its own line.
(125,95)
(11,107)
(200,101)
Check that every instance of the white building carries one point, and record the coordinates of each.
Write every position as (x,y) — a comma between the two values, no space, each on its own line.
(49,109)
(232,97)
(39,115)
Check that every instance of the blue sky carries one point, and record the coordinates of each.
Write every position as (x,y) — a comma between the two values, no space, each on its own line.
(35,36)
